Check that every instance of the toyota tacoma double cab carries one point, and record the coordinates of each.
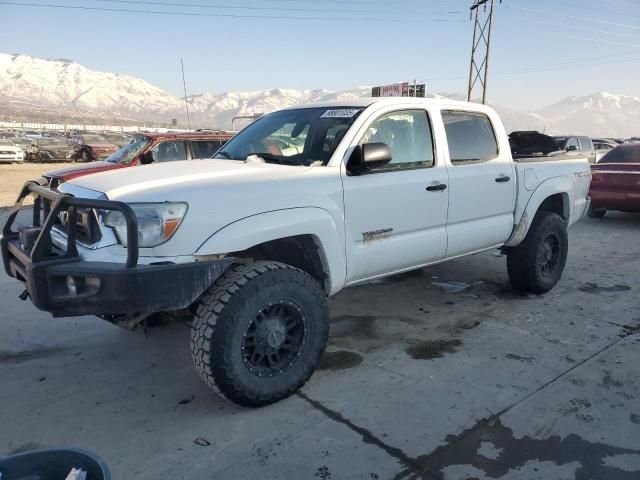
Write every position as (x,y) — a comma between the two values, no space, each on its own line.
(299,205)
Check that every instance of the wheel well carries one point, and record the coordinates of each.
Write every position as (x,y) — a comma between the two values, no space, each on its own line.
(301,251)
(558,203)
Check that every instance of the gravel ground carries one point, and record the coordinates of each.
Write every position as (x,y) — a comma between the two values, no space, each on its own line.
(14,176)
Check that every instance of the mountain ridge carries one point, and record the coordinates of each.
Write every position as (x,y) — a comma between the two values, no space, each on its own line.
(49,89)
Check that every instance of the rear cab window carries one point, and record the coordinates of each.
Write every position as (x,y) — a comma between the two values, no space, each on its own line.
(470,136)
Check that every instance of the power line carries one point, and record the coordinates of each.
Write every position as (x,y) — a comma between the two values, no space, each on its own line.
(218,15)
(252,7)
(554,66)
(586,29)
(595,20)
(601,40)
(579,6)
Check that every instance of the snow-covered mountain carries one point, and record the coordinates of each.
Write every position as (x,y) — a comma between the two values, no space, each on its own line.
(64,84)
(62,90)
(615,115)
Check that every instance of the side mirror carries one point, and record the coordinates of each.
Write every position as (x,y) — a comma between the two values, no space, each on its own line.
(572,148)
(368,156)
(146,158)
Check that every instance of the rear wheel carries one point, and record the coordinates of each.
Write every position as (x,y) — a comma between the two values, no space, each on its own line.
(259,332)
(536,265)
(86,156)
(596,212)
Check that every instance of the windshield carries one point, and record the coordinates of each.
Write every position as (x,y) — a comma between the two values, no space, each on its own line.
(127,153)
(294,137)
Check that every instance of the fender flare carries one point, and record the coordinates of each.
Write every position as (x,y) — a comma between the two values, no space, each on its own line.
(273,225)
(552,186)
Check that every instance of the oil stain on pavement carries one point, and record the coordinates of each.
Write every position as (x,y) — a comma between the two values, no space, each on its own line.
(492,447)
(513,453)
(594,288)
(430,349)
(340,360)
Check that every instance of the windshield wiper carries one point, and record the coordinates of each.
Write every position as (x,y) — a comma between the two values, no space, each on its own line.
(270,157)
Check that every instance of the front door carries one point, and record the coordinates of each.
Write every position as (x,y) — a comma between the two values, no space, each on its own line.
(396,214)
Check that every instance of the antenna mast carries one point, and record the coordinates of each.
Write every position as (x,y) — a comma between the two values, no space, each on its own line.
(186,104)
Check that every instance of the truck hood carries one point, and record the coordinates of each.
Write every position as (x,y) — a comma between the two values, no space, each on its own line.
(83,169)
(152,181)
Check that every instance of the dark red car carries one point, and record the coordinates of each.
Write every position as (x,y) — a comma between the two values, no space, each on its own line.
(616,181)
(145,149)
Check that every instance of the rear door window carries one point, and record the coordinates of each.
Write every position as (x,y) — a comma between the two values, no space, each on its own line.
(205,148)
(169,151)
(470,136)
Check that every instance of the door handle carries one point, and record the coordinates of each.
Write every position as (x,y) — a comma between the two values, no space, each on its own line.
(437,188)
(503,178)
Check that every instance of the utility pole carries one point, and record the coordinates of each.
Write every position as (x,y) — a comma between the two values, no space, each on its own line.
(480,47)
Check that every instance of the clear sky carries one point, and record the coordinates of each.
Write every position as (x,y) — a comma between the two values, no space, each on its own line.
(543,50)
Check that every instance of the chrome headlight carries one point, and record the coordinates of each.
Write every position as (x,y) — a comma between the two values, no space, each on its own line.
(157,222)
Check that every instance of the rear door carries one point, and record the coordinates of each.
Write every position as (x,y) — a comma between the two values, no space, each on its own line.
(395,215)
(482,182)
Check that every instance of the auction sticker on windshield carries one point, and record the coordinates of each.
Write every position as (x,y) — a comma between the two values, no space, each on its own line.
(340,113)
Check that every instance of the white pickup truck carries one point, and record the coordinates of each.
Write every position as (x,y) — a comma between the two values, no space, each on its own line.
(301,204)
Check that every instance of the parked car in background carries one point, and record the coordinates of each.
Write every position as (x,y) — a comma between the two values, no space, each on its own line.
(145,149)
(33,135)
(11,154)
(90,147)
(531,143)
(49,149)
(576,145)
(615,183)
(602,146)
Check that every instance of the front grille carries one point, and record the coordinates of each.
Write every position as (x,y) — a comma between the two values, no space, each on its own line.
(8,152)
(87,227)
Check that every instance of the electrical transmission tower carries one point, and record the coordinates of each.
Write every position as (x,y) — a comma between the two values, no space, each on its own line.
(481,46)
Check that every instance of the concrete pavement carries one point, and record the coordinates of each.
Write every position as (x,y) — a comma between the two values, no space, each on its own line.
(440,374)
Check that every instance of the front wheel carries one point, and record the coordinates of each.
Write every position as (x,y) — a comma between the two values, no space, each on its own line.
(536,265)
(259,332)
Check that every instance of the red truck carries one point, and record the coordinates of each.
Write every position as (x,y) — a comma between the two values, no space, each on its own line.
(147,148)
(615,183)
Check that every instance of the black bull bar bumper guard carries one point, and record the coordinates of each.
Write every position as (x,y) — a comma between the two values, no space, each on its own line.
(63,283)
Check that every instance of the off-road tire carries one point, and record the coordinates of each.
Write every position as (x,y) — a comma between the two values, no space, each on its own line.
(526,262)
(596,213)
(85,156)
(226,311)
